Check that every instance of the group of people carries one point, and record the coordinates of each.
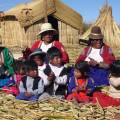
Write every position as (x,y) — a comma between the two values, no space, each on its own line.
(43,73)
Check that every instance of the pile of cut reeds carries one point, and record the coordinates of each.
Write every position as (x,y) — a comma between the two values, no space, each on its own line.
(53,109)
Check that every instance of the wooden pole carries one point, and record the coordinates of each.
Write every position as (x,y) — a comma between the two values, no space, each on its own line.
(45,10)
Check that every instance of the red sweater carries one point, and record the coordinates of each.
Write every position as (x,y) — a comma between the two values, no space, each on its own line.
(105,52)
(57,44)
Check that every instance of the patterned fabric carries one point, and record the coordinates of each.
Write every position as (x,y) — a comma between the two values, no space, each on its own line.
(105,100)
(11,90)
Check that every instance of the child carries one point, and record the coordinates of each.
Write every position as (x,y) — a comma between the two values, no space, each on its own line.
(56,73)
(114,90)
(19,71)
(12,87)
(112,98)
(31,86)
(6,70)
(79,86)
(39,58)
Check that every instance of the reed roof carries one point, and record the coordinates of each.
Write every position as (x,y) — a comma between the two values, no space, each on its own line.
(36,10)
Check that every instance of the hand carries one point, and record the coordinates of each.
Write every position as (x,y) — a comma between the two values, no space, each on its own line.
(6,73)
(28,94)
(81,88)
(78,89)
(88,91)
(51,76)
(74,90)
(103,65)
(92,62)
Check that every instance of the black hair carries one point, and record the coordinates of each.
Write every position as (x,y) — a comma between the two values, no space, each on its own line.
(53,52)
(1,48)
(115,68)
(83,67)
(18,65)
(30,65)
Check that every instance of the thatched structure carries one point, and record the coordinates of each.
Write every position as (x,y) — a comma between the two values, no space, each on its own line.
(108,26)
(21,24)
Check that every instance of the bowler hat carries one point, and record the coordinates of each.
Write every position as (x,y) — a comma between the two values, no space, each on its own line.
(96,33)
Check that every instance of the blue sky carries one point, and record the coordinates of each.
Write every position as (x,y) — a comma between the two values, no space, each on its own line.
(89,9)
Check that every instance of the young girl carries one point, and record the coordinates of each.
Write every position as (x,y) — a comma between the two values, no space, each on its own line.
(79,86)
(19,71)
(31,86)
(12,87)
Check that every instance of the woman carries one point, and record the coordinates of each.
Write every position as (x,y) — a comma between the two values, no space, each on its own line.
(46,42)
(99,56)
(6,69)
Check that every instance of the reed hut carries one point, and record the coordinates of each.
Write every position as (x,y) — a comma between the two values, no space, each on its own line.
(20,25)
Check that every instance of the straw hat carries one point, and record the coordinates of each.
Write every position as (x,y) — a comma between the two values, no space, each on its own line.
(96,33)
(47,27)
